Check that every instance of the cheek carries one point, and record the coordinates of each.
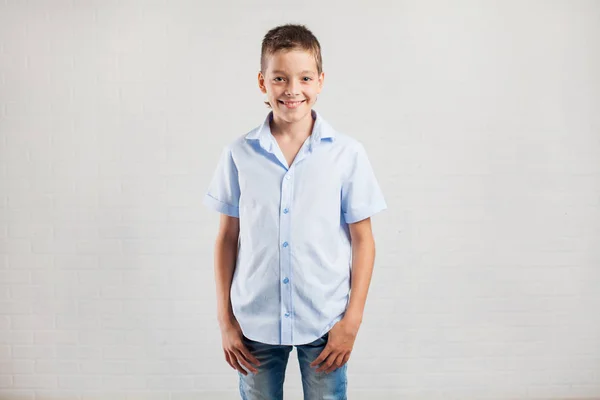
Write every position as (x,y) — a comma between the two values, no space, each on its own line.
(313,91)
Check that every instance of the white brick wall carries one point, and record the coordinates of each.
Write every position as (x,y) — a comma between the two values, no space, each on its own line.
(482,120)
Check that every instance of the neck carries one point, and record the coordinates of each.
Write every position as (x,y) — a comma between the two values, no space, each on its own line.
(296,130)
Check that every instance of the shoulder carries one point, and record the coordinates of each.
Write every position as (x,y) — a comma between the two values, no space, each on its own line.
(348,145)
(239,145)
(351,155)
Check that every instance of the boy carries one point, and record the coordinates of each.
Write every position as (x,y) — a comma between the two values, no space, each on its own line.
(296,199)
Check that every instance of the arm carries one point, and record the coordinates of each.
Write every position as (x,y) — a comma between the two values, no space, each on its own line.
(363,258)
(226,246)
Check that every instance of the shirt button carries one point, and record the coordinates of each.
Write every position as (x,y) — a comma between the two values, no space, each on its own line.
(288,177)
(287,314)
(286,280)
(285,244)
(285,210)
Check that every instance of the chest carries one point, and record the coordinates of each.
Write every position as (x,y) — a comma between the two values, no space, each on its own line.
(314,182)
(289,149)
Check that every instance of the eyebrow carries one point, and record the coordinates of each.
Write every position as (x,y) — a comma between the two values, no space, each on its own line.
(303,72)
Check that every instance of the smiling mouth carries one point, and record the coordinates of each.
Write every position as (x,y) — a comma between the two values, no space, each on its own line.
(291,104)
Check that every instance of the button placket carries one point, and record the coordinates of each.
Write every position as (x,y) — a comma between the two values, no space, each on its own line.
(285,257)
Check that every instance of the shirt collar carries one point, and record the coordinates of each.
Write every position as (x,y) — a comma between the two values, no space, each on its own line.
(321,130)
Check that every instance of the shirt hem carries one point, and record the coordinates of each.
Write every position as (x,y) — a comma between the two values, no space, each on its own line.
(221,207)
(359,215)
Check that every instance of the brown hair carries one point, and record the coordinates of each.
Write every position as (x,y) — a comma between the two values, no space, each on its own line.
(289,37)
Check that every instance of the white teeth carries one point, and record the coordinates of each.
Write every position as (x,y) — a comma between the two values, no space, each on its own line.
(292,103)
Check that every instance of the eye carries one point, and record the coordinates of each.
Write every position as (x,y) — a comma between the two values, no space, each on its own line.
(277,78)
(306,77)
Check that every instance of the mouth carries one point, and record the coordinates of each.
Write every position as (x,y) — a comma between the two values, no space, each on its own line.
(291,104)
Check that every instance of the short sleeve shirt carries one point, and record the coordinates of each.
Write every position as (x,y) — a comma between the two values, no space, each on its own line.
(291,282)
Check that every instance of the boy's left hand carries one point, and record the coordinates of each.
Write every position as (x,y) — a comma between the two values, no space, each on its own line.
(339,346)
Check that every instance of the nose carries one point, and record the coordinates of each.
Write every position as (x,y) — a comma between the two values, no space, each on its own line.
(292,88)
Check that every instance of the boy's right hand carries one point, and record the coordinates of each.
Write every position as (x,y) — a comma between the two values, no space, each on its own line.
(235,350)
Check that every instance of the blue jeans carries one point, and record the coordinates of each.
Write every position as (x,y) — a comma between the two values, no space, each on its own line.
(267,383)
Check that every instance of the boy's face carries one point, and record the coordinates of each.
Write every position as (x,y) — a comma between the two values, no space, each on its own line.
(291,75)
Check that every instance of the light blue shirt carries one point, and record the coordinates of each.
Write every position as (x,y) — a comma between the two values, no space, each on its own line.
(291,282)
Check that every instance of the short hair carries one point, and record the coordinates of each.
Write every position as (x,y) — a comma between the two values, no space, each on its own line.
(290,37)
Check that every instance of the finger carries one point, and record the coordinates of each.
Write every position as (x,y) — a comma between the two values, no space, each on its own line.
(327,363)
(243,358)
(326,351)
(346,358)
(244,350)
(237,364)
(243,361)
(336,364)
(227,359)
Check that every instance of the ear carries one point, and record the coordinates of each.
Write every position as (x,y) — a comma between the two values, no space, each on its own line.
(321,79)
(261,82)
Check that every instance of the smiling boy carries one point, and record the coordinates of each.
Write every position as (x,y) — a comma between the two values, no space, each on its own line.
(295,198)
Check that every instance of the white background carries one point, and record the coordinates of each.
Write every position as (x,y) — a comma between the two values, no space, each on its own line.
(481,120)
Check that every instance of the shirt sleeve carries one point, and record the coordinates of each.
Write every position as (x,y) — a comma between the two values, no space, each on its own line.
(361,194)
(223,194)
